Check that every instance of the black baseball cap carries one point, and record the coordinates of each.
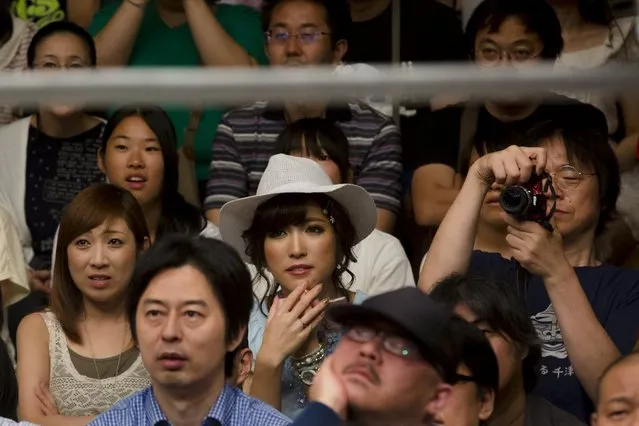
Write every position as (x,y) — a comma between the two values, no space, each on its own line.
(413,312)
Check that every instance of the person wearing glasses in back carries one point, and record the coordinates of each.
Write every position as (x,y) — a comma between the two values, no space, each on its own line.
(305,33)
(500,33)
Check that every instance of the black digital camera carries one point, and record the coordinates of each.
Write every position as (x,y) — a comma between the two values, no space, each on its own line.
(529,201)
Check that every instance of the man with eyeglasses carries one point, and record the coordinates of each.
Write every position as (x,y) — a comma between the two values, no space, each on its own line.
(306,33)
(500,33)
(392,366)
(584,311)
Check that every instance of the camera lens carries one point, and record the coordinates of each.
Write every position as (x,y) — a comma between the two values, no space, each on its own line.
(515,200)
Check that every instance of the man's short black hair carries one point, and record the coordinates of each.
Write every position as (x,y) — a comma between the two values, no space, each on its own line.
(222,266)
(498,305)
(537,16)
(338,16)
(473,350)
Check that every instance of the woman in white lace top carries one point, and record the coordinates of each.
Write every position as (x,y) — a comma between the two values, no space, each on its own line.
(78,359)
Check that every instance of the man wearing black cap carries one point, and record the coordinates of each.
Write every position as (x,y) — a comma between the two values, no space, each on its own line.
(391,367)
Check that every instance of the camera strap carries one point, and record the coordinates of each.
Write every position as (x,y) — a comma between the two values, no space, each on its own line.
(547,186)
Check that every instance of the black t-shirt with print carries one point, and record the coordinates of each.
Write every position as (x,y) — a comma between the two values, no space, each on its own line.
(440,134)
(613,294)
(57,170)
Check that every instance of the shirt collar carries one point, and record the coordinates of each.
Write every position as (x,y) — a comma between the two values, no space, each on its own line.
(334,113)
(222,410)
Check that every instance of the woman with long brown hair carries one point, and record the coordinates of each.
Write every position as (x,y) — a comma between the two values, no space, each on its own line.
(78,359)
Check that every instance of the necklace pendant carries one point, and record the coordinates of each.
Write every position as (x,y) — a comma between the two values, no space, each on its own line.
(307,375)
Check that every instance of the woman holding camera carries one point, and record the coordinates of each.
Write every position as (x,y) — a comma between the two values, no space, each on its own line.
(490,236)
(583,311)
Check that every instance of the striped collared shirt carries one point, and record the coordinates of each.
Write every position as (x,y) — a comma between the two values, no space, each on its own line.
(245,141)
(232,408)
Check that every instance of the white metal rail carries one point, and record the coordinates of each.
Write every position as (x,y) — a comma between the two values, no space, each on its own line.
(229,86)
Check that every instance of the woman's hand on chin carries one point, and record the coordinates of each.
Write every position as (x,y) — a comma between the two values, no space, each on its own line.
(290,322)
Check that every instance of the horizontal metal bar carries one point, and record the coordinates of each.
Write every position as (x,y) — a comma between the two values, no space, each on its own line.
(231,86)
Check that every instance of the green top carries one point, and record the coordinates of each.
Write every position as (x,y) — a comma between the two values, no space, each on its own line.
(159,45)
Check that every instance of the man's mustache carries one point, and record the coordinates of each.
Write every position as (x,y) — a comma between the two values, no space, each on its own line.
(369,369)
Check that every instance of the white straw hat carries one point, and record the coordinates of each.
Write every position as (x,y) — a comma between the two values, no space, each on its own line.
(285,174)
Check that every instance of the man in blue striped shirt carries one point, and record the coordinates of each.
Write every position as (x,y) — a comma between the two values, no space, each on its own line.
(188,304)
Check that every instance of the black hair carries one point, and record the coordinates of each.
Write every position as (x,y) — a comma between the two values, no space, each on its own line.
(222,266)
(621,360)
(338,17)
(596,12)
(536,15)
(61,27)
(290,209)
(472,350)
(177,214)
(6,21)
(485,146)
(229,358)
(587,146)
(312,136)
(501,308)
(8,385)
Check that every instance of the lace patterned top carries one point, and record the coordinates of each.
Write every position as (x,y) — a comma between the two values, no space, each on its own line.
(79,395)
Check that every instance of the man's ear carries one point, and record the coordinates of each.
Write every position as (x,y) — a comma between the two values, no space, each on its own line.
(339,51)
(486,404)
(147,244)
(439,399)
(244,367)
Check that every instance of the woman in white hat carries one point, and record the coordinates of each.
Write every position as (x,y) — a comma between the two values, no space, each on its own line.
(382,264)
(301,229)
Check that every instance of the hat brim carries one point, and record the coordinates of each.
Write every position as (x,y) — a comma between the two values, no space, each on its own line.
(237,216)
(345,313)
(348,313)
